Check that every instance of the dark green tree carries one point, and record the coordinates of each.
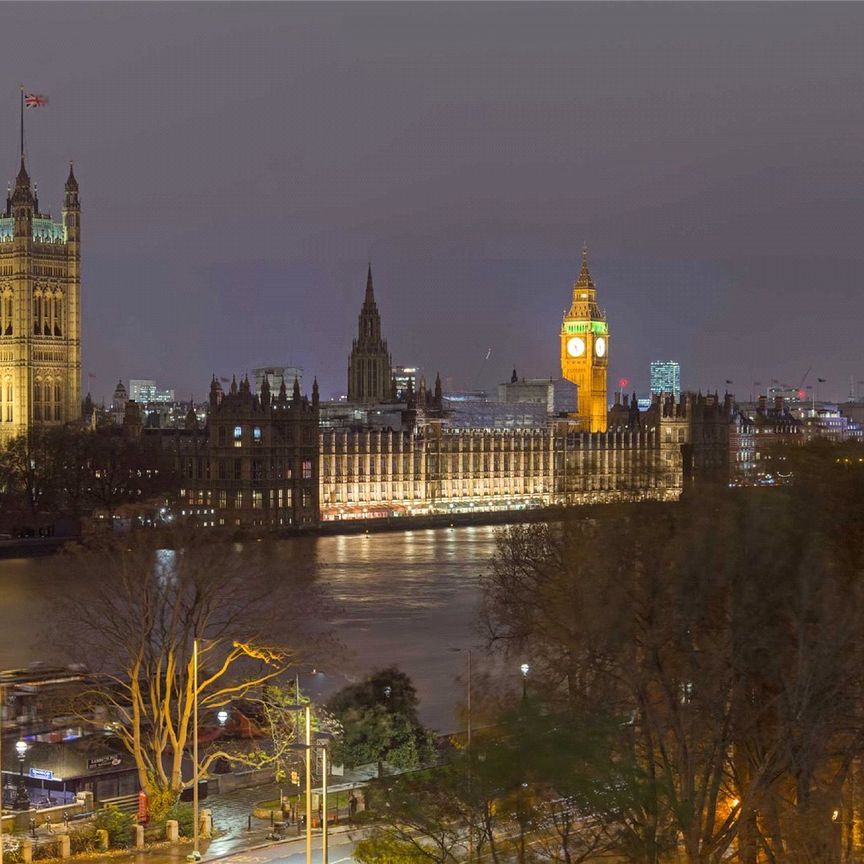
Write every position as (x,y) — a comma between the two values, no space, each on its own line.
(380,722)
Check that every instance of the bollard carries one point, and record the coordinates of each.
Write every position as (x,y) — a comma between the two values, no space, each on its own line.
(172,831)
(205,824)
(27,850)
(102,840)
(271,818)
(65,843)
(138,836)
(249,823)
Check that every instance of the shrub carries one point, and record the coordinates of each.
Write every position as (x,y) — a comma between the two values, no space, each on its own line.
(11,849)
(159,804)
(118,825)
(82,839)
(185,816)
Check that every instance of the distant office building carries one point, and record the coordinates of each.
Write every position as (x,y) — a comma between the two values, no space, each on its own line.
(557,396)
(666,377)
(483,414)
(144,391)
(276,376)
(405,375)
(467,396)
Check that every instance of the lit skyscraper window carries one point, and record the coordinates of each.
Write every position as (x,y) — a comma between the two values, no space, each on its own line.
(666,377)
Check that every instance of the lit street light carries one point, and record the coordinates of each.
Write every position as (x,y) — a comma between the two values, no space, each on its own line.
(222,716)
(525,669)
(22,799)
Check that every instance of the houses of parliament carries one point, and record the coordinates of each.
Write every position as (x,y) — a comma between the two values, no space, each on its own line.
(40,303)
(278,459)
(283,460)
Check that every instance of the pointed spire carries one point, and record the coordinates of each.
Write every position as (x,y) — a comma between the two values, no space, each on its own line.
(23,178)
(23,194)
(71,182)
(370,290)
(295,395)
(233,385)
(585,280)
(438,392)
(315,396)
(283,393)
(514,377)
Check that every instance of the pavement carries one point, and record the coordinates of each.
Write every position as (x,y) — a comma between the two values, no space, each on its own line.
(341,842)
(236,844)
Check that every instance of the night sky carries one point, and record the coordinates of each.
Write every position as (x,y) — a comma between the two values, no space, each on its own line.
(239,164)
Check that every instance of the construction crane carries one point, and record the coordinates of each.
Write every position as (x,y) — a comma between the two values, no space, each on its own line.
(481,370)
(800,388)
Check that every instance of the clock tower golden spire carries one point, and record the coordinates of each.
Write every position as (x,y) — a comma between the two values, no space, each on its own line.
(585,350)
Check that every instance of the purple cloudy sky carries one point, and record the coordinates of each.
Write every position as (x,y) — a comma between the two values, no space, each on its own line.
(240,163)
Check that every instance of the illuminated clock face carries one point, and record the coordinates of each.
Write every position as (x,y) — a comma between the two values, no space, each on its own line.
(575,346)
(600,346)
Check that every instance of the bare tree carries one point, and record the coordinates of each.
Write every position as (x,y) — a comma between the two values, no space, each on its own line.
(724,635)
(136,626)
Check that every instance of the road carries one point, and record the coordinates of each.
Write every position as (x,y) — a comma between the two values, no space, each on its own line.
(294,852)
(291,851)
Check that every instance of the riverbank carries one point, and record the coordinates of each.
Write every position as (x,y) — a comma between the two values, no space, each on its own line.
(41,546)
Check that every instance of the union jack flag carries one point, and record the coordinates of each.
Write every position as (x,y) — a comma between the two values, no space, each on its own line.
(34,100)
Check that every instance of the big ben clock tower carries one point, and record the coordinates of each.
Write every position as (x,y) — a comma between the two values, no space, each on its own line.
(585,351)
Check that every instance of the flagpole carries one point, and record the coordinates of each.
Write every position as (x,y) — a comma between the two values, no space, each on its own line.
(22,122)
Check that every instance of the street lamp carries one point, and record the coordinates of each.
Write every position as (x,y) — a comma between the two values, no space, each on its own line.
(525,669)
(22,799)
(307,748)
(322,738)
(222,716)
(470,755)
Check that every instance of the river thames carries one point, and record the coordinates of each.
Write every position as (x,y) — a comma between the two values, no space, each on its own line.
(404,598)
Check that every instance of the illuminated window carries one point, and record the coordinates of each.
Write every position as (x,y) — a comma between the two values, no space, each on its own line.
(257,500)
(256,434)
(307,470)
(238,433)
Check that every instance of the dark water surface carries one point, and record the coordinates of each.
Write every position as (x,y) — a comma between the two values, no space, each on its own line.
(404,598)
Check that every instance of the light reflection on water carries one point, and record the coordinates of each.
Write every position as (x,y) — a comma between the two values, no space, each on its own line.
(398,598)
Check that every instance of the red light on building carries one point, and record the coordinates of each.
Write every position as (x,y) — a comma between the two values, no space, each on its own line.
(802,394)
(623,383)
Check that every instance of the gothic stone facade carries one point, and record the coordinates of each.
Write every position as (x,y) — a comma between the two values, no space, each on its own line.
(437,469)
(256,463)
(40,311)
(370,366)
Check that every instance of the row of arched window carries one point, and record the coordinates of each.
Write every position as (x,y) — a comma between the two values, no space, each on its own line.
(47,314)
(47,400)
(7,391)
(6,314)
